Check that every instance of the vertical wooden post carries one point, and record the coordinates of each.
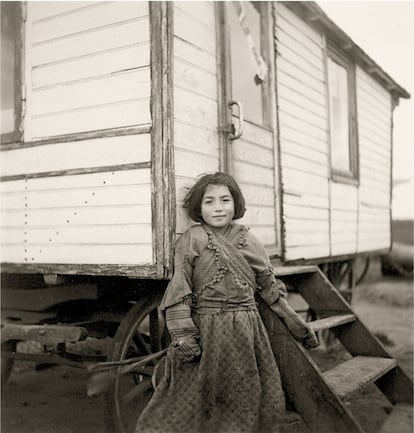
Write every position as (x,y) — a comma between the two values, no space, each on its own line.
(162,167)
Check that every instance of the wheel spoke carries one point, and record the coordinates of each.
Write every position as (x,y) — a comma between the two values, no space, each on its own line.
(141,345)
(139,334)
(155,333)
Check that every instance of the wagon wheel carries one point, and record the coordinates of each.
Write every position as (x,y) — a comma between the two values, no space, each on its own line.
(7,347)
(141,332)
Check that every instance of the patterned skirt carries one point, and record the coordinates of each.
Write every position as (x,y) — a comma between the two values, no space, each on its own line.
(234,388)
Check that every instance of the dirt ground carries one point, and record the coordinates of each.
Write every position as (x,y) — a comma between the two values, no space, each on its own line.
(54,400)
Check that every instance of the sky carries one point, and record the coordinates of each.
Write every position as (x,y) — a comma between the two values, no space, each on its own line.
(385,31)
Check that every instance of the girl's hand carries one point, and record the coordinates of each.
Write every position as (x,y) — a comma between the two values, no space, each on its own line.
(299,329)
(186,349)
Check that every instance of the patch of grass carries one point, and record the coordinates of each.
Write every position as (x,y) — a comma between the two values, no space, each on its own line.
(397,292)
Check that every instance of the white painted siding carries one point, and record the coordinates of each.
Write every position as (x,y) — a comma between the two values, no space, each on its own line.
(91,218)
(195,97)
(322,217)
(87,67)
(303,137)
(374,129)
(92,153)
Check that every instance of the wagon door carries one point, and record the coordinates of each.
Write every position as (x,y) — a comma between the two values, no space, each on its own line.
(247,112)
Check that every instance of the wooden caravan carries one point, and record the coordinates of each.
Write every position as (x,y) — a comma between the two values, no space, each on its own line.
(111,110)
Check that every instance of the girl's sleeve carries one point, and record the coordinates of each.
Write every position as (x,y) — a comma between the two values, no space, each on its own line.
(270,288)
(180,287)
(177,303)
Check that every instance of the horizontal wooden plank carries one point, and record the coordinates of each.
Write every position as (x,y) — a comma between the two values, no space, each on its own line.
(353,375)
(380,113)
(289,94)
(52,334)
(289,135)
(341,216)
(302,124)
(99,14)
(78,154)
(343,248)
(367,153)
(376,175)
(258,195)
(370,93)
(365,100)
(256,134)
(306,200)
(367,246)
(342,227)
(295,180)
(84,197)
(293,82)
(265,234)
(192,164)
(296,41)
(44,9)
(195,109)
(293,211)
(306,252)
(302,111)
(259,215)
(302,164)
(195,79)
(310,238)
(286,15)
(185,51)
(344,197)
(94,42)
(112,178)
(87,234)
(294,57)
(78,254)
(244,151)
(130,113)
(192,30)
(366,81)
(345,236)
(207,140)
(332,322)
(58,217)
(303,225)
(92,92)
(315,86)
(371,130)
(199,11)
(249,173)
(99,64)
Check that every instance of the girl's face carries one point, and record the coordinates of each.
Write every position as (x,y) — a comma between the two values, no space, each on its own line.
(217,207)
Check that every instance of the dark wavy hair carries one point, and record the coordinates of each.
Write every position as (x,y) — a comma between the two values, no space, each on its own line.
(192,201)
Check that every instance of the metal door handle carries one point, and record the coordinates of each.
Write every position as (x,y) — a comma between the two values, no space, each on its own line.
(233,135)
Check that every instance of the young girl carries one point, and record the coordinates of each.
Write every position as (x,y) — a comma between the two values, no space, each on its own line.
(220,374)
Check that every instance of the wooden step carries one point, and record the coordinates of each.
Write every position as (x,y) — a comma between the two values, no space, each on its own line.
(353,375)
(400,420)
(331,322)
(282,271)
